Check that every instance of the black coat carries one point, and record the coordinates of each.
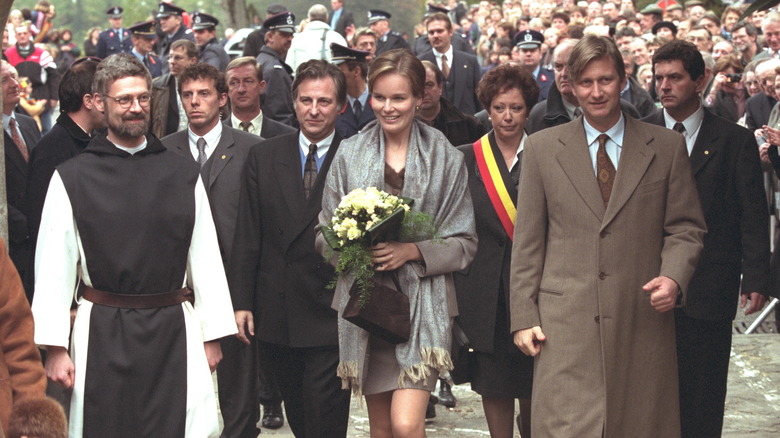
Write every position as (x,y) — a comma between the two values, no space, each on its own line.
(16,190)
(460,87)
(270,129)
(345,19)
(64,141)
(274,269)
(729,179)
(458,127)
(347,126)
(477,286)
(757,110)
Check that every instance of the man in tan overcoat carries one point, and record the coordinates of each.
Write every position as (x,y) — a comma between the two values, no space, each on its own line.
(608,234)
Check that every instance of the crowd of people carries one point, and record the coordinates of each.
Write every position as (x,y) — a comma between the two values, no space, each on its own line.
(600,180)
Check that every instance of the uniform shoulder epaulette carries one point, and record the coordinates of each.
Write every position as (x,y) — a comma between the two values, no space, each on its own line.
(278,66)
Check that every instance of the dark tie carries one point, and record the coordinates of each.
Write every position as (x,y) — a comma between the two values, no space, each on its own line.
(445,68)
(679,127)
(577,112)
(201,151)
(245,125)
(18,139)
(358,110)
(604,169)
(310,170)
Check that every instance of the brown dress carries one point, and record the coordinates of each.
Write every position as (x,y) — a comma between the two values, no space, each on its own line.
(383,369)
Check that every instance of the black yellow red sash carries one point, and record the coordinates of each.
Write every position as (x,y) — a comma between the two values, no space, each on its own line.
(494,184)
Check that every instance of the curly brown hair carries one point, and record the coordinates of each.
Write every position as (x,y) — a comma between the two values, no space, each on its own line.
(502,79)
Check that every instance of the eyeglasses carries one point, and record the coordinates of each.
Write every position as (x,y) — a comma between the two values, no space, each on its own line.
(127,101)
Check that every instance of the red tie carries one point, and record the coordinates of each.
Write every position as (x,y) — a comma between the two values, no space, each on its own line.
(18,139)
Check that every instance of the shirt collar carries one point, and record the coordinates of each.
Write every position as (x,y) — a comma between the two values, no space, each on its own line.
(615,133)
(691,124)
(322,146)
(135,150)
(7,119)
(569,107)
(519,149)
(257,122)
(212,137)
(448,53)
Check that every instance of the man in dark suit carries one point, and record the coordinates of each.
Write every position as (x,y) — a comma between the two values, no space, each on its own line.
(278,281)
(221,152)
(529,42)
(115,39)
(358,111)
(461,70)
(340,18)
(379,22)
(21,135)
(759,106)
(422,43)
(245,86)
(725,162)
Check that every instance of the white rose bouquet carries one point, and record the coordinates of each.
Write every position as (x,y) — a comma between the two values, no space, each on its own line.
(365,218)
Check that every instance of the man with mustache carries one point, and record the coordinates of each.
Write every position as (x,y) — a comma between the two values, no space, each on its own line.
(131,221)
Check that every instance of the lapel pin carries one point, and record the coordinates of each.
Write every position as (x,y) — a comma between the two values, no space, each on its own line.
(223,157)
(706,152)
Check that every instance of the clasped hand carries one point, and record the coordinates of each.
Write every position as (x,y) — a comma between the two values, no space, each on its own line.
(389,256)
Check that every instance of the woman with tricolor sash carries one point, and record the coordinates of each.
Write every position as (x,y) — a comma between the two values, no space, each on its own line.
(501,373)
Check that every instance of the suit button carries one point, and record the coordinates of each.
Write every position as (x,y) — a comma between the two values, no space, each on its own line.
(602,275)
(597,319)
(603,234)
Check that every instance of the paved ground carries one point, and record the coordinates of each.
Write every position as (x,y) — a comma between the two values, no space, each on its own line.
(752,405)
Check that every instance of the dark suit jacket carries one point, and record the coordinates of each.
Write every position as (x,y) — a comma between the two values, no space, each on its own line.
(478,285)
(344,20)
(757,110)
(347,126)
(460,87)
(16,190)
(545,78)
(270,129)
(729,179)
(221,176)
(274,269)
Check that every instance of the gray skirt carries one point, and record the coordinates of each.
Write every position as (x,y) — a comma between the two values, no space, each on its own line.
(383,370)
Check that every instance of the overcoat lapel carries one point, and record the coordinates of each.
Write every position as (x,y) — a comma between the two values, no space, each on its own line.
(13,155)
(634,161)
(221,156)
(313,205)
(575,161)
(706,145)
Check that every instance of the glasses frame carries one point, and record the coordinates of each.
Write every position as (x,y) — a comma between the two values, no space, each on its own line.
(128,105)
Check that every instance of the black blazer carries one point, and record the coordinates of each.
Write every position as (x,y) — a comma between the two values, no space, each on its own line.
(460,87)
(274,269)
(344,20)
(728,175)
(221,177)
(757,110)
(16,189)
(477,286)
(347,126)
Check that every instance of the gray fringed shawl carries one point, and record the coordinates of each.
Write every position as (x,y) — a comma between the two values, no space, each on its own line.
(436,179)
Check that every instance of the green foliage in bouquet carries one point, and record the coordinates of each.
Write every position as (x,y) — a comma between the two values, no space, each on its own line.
(365,218)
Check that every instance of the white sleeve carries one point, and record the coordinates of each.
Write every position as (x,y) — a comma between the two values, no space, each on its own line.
(56,267)
(204,267)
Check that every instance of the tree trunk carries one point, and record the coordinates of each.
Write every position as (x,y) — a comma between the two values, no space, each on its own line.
(236,15)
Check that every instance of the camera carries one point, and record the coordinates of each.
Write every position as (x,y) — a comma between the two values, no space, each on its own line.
(735,77)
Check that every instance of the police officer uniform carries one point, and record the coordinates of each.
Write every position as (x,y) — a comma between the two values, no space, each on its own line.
(531,39)
(166,10)
(112,40)
(389,41)
(358,111)
(277,97)
(150,60)
(212,52)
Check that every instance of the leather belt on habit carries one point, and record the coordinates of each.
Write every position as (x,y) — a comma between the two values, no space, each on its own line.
(126,301)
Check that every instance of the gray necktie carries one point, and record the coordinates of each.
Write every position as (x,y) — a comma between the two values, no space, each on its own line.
(310,170)
(577,112)
(358,110)
(201,151)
